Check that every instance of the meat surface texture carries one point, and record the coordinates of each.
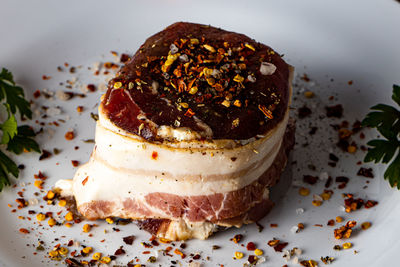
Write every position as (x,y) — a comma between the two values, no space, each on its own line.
(231,73)
(192,134)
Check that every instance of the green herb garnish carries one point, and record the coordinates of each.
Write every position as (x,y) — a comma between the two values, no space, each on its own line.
(16,138)
(386,119)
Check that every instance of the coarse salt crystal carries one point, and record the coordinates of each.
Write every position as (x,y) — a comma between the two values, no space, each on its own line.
(96,66)
(154,86)
(323,176)
(299,211)
(297,251)
(53,111)
(50,132)
(184,58)
(294,229)
(286,255)
(173,49)
(61,95)
(267,68)
(318,198)
(83,88)
(295,260)
(251,78)
(216,74)
(33,201)
(102,87)
(261,260)
(297,182)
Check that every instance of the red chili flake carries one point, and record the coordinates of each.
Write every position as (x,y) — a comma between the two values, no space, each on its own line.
(309,179)
(119,251)
(352,204)
(124,58)
(154,243)
(189,113)
(24,231)
(251,246)
(36,94)
(146,245)
(366,172)
(273,242)
(280,246)
(45,154)
(146,252)
(305,78)
(129,239)
(69,135)
(266,112)
(180,253)
(260,227)
(91,87)
(332,164)
(350,82)
(328,182)
(196,257)
(342,179)
(313,130)
(345,230)
(21,203)
(334,111)
(237,238)
(304,112)
(75,163)
(40,175)
(154,155)
(370,203)
(357,126)
(108,65)
(70,243)
(85,180)
(273,225)
(333,157)
(44,77)
(252,259)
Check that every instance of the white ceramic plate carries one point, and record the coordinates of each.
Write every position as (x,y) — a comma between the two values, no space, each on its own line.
(337,40)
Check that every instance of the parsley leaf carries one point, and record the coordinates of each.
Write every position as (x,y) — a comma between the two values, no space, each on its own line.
(9,127)
(14,95)
(23,141)
(7,167)
(17,138)
(386,119)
